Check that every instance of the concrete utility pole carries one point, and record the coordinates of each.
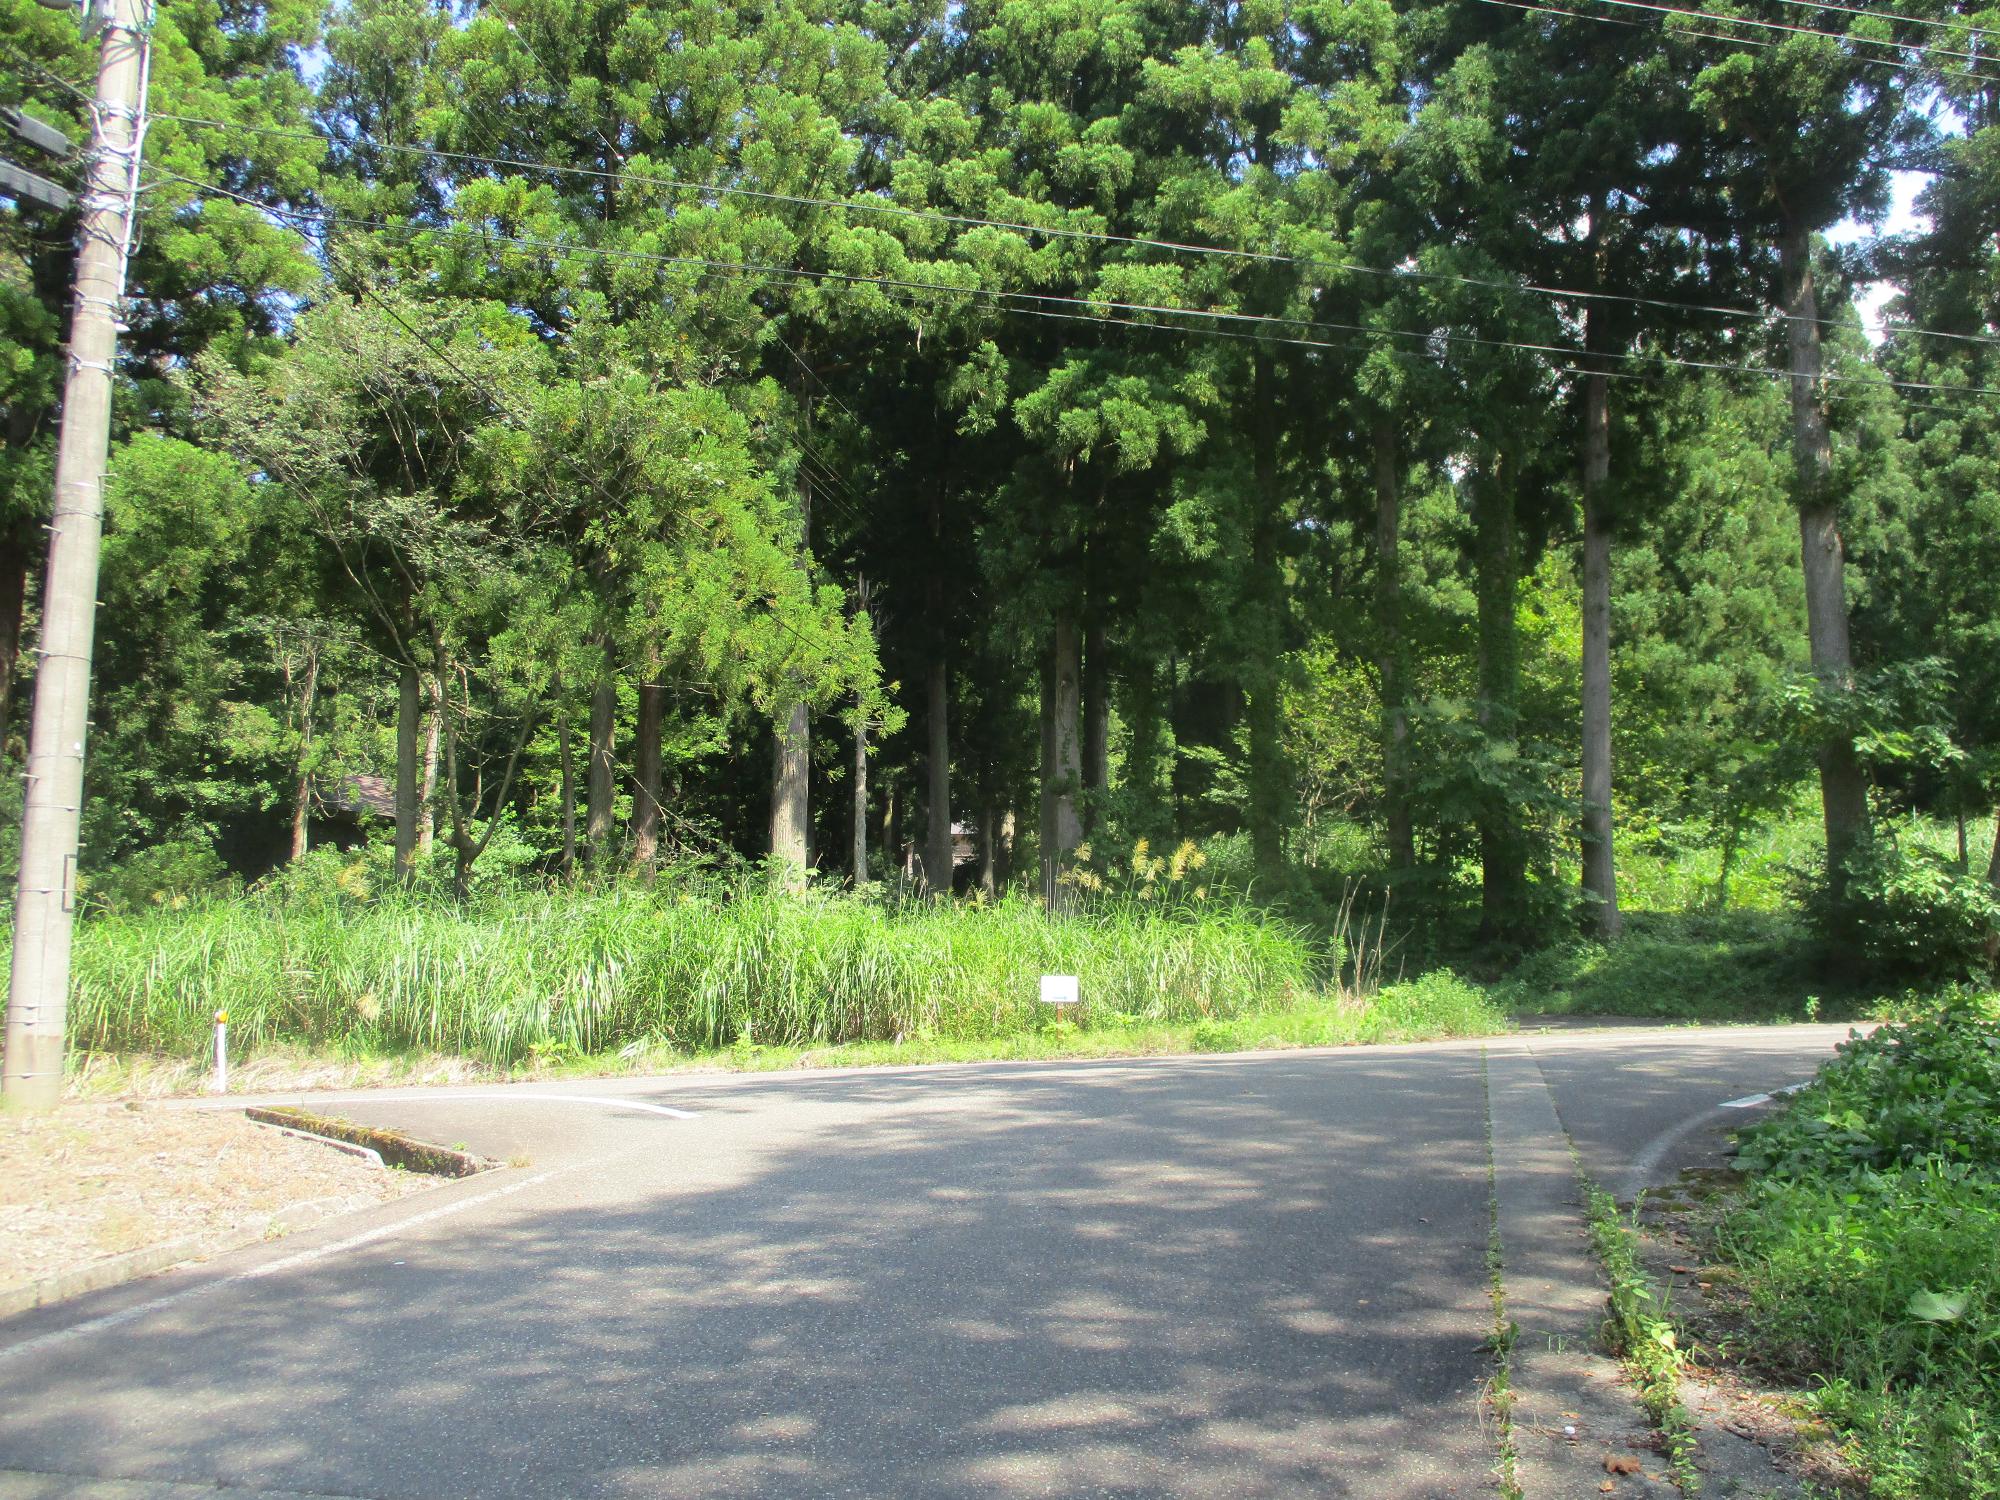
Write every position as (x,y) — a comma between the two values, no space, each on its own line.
(45,908)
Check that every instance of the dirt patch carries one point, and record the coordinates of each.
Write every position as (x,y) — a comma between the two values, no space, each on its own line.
(96,1180)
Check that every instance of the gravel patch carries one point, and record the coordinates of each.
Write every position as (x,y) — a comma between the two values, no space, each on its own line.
(91,1181)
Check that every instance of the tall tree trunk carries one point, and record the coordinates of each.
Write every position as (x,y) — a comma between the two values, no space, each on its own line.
(791,764)
(791,759)
(892,823)
(1993,879)
(1503,870)
(646,764)
(1045,830)
(1066,759)
(1389,609)
(989,850)
(302,800)
(860,850)
(1146,768)
(427,796)
(1600,876)
(601,788)
(566,759)
(409,708)
(1263,632)
(1843,788)
(937,810)
(1096,723)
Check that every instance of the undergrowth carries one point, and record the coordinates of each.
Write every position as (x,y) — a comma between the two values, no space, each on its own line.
(739,975)
(1868,1244)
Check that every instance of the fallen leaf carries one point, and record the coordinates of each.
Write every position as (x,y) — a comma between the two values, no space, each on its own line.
(1607,1487)
(1682,1270)
(1622,1463)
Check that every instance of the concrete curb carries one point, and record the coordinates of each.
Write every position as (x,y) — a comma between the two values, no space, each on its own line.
(148,1260)
(1573,1412)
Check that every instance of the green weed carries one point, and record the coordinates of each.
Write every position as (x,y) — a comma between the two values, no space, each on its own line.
(1641,1331)
(1868,1245)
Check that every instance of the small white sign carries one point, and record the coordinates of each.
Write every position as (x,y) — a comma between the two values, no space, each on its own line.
(1058,989)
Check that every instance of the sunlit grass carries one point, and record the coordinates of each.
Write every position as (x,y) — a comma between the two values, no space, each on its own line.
(573,973)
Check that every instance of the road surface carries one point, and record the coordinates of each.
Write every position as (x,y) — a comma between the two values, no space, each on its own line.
(1252,1275)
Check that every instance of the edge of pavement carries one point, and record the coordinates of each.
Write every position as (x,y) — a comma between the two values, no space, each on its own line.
(116,1270)
(1573,1411)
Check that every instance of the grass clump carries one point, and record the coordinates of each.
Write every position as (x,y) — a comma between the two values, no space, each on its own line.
(562,975)
(1868,1245)
(630,978)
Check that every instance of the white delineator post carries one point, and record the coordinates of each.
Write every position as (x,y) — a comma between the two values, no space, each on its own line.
(45,907)
(221,1083)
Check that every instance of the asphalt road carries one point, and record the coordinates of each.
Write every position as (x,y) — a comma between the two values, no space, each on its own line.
(1260,1275)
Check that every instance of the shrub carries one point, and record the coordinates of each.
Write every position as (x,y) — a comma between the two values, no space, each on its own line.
(1908,910)
(1926,1091)
(1438,1003)
(168,873)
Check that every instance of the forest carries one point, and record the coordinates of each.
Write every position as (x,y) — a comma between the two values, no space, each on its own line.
(1498,459)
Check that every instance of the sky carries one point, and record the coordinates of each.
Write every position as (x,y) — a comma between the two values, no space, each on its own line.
(1870,297)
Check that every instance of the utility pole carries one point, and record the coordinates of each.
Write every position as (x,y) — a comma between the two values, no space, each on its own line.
(45,907)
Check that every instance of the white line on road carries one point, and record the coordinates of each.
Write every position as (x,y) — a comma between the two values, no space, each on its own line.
(447,1096)
(268,1268)
(1751,1101)
(609,1103)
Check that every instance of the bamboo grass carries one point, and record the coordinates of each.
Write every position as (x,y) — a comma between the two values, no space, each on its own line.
(535,973)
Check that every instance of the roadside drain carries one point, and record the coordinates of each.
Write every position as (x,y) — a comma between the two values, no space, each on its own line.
(391,1147)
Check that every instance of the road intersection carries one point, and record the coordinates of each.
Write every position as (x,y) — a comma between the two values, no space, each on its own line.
(1249,1275)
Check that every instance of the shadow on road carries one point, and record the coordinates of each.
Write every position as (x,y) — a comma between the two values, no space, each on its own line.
(1253,1277)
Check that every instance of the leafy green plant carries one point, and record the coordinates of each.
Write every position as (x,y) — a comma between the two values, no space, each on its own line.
(1910,910)
(1927,1091)
(1865,1243)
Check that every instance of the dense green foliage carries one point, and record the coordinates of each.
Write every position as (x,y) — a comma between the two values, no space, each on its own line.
(697,968)
(1866,1246)
(925,442)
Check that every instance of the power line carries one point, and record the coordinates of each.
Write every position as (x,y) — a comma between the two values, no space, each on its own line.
(1734,41)
(1785,26)
(740,267)
(863,205)
(47,74)
(1882,15)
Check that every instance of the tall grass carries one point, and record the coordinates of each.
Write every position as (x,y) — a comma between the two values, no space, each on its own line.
(588,971)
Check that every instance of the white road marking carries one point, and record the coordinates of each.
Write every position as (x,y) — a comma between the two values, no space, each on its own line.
(1751,1101)
(607,1101)
(124,1315)
(446,1096)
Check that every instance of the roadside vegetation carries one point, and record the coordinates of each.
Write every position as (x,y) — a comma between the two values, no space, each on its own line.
(1866,1241)
(333,969)
(736,971)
